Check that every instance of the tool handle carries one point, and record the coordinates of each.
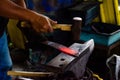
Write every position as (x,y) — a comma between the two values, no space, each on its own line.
(29,74)
(63,27)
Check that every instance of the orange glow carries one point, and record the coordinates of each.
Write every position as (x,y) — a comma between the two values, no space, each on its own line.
(68,51)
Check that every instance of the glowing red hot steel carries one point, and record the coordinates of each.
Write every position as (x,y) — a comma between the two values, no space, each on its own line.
(68,51)
(61,48)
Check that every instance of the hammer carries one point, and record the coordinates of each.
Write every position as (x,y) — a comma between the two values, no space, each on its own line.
(75,28)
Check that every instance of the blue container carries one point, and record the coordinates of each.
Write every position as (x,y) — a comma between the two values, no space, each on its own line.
(102,33)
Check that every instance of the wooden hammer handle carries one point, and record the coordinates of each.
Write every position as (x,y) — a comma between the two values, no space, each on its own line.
(29,74)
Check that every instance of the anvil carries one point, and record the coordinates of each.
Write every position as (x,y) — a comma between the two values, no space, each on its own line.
(64,62)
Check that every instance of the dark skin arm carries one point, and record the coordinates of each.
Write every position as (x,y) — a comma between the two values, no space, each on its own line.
(38,21)
(20,3)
